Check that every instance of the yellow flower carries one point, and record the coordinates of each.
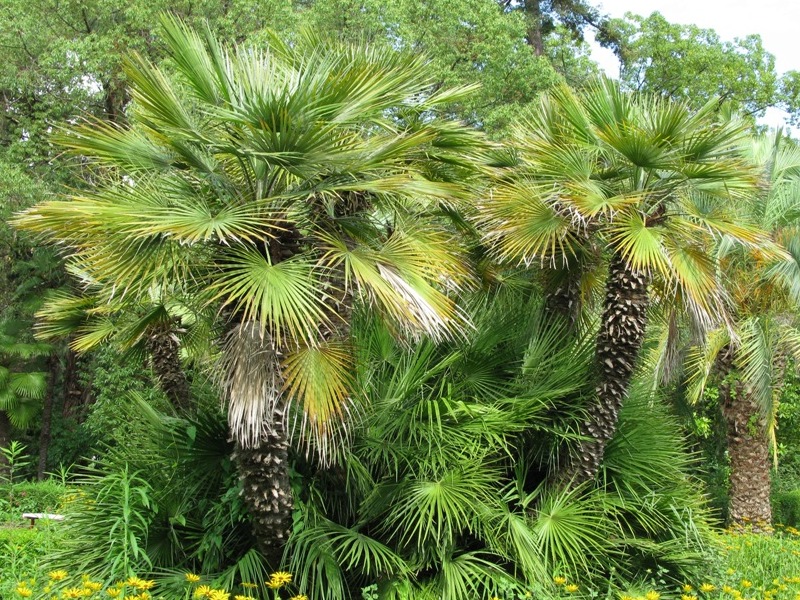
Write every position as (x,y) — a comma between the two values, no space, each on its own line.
(299,597)
(731,571)
(571,588)
(240,597)
(626,597)
(727,589)
(24,591)
(203,591)
(113,592)
(146,585)
(95,586)
(280,578)
(219,595)
(687,588)
(746,583)
(688,597)
(559,580)
(72,593)
(57,575)
(707,587)
(191,577)
(652,595)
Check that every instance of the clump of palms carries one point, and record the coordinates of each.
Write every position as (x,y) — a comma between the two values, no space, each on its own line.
(444,492)
(640,184)
(272,187)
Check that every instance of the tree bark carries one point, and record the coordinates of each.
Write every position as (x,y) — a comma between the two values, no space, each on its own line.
(47,418)
(267,491)
(562,296)
(533,14)
(619,340)
(5,440)
(748,449)
(165,354)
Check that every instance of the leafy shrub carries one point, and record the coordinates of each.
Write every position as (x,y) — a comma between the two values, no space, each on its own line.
(786,508)
(450,489)
(34,496)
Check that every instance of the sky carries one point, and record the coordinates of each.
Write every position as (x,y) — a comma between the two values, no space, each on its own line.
(777,22)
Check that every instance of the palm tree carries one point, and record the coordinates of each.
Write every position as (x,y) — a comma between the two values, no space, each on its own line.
(22,387)
(643,181)
(749,357)
(275,187)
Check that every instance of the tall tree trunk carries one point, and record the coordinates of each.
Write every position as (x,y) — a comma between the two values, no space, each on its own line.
(618,343)
(165,354)
(267,491)
(47,416)
(533,15)
(748,449)
(5,440)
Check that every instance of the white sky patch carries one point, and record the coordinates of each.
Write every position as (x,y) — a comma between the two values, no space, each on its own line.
(775,21)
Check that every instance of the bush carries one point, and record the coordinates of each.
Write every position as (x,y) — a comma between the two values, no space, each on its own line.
(33,496)
(786,508)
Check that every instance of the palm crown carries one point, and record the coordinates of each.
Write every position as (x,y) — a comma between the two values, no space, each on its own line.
(649,178)
(272,187)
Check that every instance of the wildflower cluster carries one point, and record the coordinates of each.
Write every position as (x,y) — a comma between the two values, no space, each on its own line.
(59,586)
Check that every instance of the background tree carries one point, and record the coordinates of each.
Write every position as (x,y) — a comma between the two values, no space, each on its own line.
(694,65)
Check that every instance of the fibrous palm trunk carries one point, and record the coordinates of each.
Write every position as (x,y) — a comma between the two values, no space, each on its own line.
(255,397)
(267,490)
(748,449)
(165,355)
(562,298)
(618,343)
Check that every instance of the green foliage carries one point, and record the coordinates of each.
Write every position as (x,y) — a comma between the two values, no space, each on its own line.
(116,519)
(22,551)
(447,489)
(46,496)
(787,475)
(786,508)
(693,65)
(477,42)
(761,559)
(15,461)
(163,499)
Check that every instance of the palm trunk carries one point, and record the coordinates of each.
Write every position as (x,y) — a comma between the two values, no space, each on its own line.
(618,343)
(748,449)
(562,296)
(165,354)
(267,491)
